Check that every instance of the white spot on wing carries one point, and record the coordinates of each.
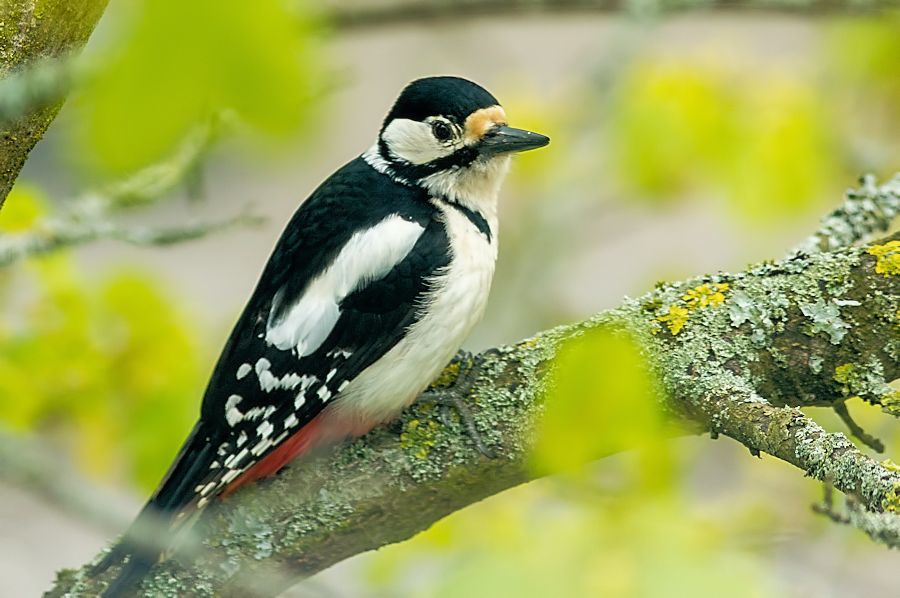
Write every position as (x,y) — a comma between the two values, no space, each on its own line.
(343,385)
(299,400)
(261,446)
(324,393)
(232,414)
(368,255)
(265,429)
(243,371)
(242,439)
(231,475)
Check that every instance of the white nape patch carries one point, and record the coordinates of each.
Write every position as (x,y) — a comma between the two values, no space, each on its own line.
(291,421)
(232,414)
(324,393)
(373,158)
(369,255)
(243,371)
(413,141)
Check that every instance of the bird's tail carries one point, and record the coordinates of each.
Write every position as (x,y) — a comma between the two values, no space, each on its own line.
(166,512)
(140,548)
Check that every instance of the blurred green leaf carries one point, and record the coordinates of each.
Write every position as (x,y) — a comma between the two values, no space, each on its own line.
(108,366)
(764,140)
(603,400)
(177,63)
(22,211)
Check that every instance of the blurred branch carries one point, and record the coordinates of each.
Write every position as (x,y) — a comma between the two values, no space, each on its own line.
(812,329)
(66,234)
(33,32)
(27,463)
(91,216)
(361,15)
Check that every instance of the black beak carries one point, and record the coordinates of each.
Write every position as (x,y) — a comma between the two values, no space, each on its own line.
(502,140)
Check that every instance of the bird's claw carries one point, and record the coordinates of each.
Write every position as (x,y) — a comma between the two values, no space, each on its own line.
(452,397)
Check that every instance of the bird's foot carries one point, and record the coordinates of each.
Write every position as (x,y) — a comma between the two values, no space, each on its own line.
(452,397)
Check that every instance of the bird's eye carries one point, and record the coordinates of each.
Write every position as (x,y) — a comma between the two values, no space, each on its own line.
(441,131)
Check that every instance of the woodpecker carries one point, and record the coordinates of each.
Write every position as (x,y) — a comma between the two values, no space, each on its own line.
(374,284)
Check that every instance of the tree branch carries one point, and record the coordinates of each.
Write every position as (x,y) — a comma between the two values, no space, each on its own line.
(32,31)
(736,353)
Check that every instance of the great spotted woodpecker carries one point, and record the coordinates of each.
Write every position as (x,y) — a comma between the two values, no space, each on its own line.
(372,288)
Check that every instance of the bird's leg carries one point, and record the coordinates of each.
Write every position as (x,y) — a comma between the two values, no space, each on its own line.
(453,396)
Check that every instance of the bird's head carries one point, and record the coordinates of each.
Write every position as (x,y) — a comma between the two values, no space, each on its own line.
(451,136)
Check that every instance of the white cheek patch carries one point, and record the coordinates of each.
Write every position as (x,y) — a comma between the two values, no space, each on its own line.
(369,255)
(413,141)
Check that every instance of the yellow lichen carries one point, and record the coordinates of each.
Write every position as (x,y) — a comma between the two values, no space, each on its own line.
(419,436)
(675,319)
(887,258)
(448,376)
(700,297)
(706,295)
(842,373)
(890,465)
(891,502)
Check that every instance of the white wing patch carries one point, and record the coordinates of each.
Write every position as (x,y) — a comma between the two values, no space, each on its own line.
(368,255)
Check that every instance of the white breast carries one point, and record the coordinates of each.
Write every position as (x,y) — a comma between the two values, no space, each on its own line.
(452,308)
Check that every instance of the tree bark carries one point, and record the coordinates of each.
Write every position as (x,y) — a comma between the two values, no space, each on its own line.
(32,31)
(815,328)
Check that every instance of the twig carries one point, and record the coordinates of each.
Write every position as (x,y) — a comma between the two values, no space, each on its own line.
(867,439)
(68,234)
(91,216)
